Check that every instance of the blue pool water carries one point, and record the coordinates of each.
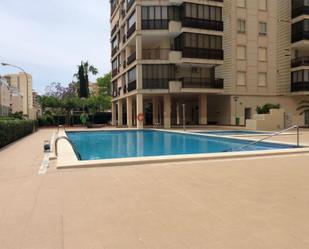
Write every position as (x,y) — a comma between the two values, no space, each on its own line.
(122,144)
(234,132)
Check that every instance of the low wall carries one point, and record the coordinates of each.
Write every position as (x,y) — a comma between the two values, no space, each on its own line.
(267,122)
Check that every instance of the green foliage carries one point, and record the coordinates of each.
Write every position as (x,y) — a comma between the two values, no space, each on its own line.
(265,109)
(83,78)
(84,118)
(105,85)
(46,120)
(303,107)
(16,115)
(14,129)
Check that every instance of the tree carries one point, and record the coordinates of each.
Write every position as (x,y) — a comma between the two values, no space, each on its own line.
(83,78)
(303,107)
(105,84)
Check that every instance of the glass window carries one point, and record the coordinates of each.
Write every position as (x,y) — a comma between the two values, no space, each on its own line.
(262,79)
(262,54)
(262,4)
(306,75)
(132,75)
(241,78)
(144,13)
(206,12)
(241,26)
(131,20)
(262,28)
(241,52)
(241,3)
(164,13)
(158,12)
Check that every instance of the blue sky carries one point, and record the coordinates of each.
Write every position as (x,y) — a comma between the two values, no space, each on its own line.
(48,38)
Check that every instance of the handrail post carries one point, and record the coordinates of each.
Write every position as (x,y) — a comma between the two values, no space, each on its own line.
(297,136)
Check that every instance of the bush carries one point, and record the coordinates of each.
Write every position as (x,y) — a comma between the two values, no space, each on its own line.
(12,130)
(265,109)
(46,120)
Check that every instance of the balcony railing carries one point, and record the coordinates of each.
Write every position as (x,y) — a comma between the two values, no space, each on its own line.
(195,82)
(301,61)
(202,24)
(114,29)
(302,35)
(155,54)
(202,53)
(155,24)
(300,86)
(131,58)
(131,86)
(158,83)
(115,94)
(115,72)
(131,30)
(303,10)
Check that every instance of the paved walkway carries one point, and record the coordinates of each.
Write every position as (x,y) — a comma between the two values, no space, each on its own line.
(235,204)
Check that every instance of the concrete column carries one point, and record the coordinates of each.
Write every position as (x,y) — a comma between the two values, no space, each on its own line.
(129,112)
(139,109)
(114,113)
(203,109)
(178,113)
(138,17)
(138,48)
(155,110)
(167,111)
(120,121)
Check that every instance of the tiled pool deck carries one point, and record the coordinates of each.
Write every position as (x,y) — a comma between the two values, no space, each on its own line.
(240,203)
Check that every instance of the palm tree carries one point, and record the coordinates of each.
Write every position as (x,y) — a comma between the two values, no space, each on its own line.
(303,107)
(83,78)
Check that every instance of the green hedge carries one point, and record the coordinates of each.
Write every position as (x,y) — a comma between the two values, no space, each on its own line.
(12,130)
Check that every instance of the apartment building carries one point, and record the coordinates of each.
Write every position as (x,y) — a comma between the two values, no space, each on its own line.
(16,100)
(20,81)
(4,97)
(207,62)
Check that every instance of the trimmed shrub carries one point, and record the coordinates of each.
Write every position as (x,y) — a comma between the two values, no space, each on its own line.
(12,130)
(265,109)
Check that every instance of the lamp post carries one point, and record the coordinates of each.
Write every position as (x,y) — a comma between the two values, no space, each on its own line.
(236,99)
(27,80)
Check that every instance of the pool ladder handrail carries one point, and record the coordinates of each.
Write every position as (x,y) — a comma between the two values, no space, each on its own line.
(60,126)
(270,136)
(73,147)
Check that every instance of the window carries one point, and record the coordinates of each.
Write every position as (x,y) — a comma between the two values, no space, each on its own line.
(192,40)
(241,26)
(132,75)
(131,20)
(203,12)
(114,64)
(154,17)
(262,28)
(262,54)
(241,52)
(262,79)
(241,78)
(262,4)
(241,3)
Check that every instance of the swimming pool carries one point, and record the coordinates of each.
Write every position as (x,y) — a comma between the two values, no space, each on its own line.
(95,145)
(234,132)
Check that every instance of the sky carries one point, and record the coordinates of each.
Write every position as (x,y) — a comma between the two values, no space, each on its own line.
(49,38)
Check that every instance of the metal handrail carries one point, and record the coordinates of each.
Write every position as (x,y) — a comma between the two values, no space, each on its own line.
(270,136)
(73,147)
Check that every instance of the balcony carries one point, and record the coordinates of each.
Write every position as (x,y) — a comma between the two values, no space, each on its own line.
(301,61)
(155,54)
(114,50)
(158,83)
(202,53)
(202,24)
(131,86)
(114,94)
(302,10)
(115,72)
(300,87)
(114,29)
(131,30)
(155,24)
(299,36)
(195,82)
(130,4)
(131,58)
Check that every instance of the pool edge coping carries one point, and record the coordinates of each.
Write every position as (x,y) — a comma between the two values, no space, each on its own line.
(68,160)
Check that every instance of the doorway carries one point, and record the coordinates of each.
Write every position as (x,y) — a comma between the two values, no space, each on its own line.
(248,114)
(306,118)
